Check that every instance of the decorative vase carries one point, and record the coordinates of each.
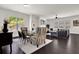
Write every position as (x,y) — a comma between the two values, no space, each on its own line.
(5,29)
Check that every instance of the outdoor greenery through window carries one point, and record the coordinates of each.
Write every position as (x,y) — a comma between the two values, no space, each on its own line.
(14,22)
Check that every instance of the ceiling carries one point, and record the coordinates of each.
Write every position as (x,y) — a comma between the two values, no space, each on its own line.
(45,10)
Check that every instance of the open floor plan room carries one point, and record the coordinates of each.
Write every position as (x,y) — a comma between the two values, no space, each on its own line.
(39,29)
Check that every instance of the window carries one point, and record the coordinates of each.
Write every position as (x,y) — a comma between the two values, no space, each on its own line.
(15,22)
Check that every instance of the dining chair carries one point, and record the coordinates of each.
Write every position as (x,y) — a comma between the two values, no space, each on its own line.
(24,37)
(40,36)
(20,36)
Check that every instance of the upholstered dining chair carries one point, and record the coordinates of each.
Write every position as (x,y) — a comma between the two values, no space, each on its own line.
(25,36)
(20,35)
(40,36)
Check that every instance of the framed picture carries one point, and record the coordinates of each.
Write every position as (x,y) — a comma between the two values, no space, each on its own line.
(75,22)
(42,22)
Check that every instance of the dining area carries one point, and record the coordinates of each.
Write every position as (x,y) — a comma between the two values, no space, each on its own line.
(31,41)
(35,37)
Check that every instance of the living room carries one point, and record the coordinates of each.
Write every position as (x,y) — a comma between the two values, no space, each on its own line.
(61,21)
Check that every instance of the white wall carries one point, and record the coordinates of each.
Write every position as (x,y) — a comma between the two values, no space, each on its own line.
(4,13)
(65,23)
(35,20)
(61,23)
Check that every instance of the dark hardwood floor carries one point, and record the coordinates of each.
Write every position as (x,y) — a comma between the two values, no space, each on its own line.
(15,48)
(58,46)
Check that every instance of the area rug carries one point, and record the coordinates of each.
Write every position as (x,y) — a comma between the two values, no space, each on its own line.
(29,48)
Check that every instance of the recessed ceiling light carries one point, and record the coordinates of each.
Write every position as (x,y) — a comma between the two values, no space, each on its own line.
(26,5)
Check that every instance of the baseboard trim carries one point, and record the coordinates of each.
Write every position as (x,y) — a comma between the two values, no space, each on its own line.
(15,37)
